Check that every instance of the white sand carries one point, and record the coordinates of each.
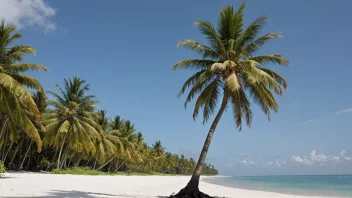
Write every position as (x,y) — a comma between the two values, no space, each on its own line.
(55,186)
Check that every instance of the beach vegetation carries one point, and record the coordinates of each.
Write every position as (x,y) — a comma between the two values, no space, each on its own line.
(2,167)
(62,130)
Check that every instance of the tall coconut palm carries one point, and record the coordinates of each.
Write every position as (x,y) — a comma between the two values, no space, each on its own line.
(230,70)
(71,121)
(15,100)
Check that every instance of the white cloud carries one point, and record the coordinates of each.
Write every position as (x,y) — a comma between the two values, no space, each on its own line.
(348,110)
(245,162)
(269,163)
(300,160)
(278,164)
(342,155)
(273,164)
(321,158)
(24,13)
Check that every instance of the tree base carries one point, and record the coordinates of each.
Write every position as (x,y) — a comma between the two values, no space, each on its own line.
(188,192)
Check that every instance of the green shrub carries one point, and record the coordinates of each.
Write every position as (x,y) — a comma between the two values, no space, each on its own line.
(78,171)
(44,164)
(2,167)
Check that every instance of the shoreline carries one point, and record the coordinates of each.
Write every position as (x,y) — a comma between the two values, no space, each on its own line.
(54,185)
(269,190)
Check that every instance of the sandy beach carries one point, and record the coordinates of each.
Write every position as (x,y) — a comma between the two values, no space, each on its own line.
(55,186)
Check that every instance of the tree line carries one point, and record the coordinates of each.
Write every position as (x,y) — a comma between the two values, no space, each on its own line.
(68,131)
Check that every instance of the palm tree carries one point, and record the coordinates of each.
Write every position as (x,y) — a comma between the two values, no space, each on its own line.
(102,120)
(110,146)
(158,149)
(229,69)
(158,152)
(71,121)
(170,162)
(17,105)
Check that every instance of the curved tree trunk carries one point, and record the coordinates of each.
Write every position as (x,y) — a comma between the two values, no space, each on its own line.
(25,156)
(102,166)
(62,145)
(8,151)
(14,155)
(64,158)
(4,126)
(192,190)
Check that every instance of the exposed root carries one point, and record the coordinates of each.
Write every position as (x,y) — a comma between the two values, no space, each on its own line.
(190,193)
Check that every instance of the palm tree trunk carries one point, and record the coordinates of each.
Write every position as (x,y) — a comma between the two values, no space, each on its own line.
(192,186)
(88,160)
(62,145)
(78,161)
(4,126)
(7,152)
(121,165)
(25,156)
(63,161)
(106,163)
(4,145)
(95,163)
(14,155)
(109,167)
(29,158)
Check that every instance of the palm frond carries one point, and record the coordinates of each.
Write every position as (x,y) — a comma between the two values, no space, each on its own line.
(208,30)
(203,80)
(272,58)
(24,67)
(254,46)
(207,100)
(203,50)
(250,33)
(276,76)
(193,64)
(27,81)
(190,82)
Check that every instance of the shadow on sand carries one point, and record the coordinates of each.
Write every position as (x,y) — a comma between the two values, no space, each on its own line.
(73,194)
(77,194)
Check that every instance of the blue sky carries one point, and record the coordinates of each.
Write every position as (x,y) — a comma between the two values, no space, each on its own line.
(125,49)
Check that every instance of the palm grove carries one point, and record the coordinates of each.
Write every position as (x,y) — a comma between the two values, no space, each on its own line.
(68,131)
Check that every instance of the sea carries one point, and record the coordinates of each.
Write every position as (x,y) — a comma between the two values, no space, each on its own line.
(310,185)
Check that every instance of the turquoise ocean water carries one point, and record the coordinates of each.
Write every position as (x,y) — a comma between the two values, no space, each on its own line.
(322,185)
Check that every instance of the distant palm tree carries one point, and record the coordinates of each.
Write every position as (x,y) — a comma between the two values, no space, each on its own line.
(102,120)
(129,140)
(110,145)
(170,162)
(40,100)
(17,105)
(158,149)
(71,121)
(229,69)
(158,154)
